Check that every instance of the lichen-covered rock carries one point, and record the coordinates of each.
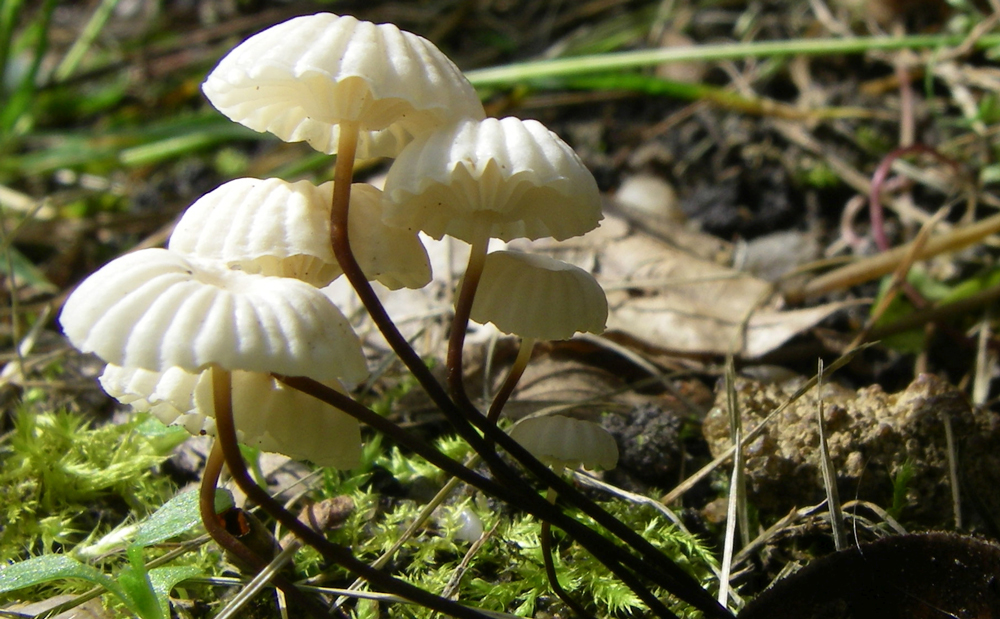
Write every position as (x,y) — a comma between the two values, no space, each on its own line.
(874,438)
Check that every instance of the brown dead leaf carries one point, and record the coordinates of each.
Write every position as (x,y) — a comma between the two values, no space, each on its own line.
(670,299)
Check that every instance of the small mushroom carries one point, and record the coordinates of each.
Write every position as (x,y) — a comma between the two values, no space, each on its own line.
(276,228)
(503,179)
(535,297)
(155,309)
(263,412)
(477,180)
(538,297)
(561,441)
(303,79)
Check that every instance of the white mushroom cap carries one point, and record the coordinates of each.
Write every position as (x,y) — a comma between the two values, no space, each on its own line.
(276,228)
(301,78)
(393,256)
(536,296)
(511,178)
(266,413)
(268,226)
(564,441)
(154,310)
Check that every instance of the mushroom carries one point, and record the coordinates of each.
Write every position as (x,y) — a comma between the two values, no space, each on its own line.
(561,441)
(155,309)
(476,180)
(567,442)
(164,319)
(535,297)
(277,228)
(504,179)
(262,410)
(538,297)
(319,78)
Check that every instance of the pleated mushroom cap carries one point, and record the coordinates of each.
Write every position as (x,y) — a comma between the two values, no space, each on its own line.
(508,178)
(301,78)
(267,414)
(281,229)
(154,310)
(394,257)
(565,441)
(265,226)
(536,296)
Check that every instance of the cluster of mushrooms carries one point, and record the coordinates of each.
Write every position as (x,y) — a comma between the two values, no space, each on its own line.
(230,331)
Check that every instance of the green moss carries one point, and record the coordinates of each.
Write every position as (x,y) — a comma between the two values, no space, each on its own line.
(506,573)
(63,482)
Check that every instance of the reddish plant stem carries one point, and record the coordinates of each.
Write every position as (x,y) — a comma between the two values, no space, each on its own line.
(618,560)
(877,212)
(460,322)
(878,180)
(513,377)
(334,553)
(228,542)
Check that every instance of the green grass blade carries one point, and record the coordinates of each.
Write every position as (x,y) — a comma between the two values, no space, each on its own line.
(580,65)
(93,28)
(10,10)
(20,102)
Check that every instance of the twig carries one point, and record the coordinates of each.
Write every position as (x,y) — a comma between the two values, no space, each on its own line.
(874,267)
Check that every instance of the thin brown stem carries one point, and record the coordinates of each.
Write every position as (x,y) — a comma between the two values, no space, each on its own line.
(334,553)
(550,567)
(228,542)
(512,378)
(463,415)
(617,559)
(460,323)
(550,571)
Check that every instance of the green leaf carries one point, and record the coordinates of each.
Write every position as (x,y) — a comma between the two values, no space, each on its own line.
(164,579)
(45,568)
(178,515)
(138,589)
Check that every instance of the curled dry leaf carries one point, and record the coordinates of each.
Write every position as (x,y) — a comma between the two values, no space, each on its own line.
(690,305)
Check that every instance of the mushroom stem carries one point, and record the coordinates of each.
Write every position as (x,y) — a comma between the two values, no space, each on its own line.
(619,561)
(513,376)
(343,176)
(334,553)
(229,543)
(463,307)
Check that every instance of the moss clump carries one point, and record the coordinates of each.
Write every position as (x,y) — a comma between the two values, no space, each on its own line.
(64,482)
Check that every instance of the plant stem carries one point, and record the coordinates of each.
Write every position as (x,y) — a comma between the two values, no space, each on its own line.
(334,553)
(228,542)
(519,493)
(878,265)
(512,378)
(463,307)
(463,415)
(550,568)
